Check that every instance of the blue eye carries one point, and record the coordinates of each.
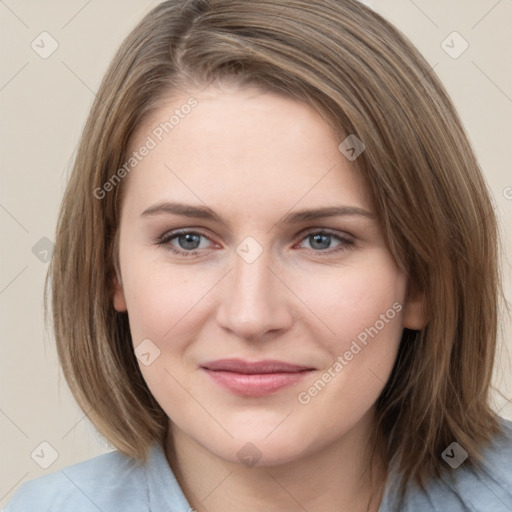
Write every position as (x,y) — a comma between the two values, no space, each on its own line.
(188,243)
(321,241)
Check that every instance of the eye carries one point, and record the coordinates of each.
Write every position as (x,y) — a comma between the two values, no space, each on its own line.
(187,243)
(190,243)
(322,241)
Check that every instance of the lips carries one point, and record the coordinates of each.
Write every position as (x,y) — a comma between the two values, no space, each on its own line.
(249,368)
(257,378)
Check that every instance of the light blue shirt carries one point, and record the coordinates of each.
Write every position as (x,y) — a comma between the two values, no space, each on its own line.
(113,482)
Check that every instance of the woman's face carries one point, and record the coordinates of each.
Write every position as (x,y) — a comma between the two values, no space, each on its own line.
(220,261)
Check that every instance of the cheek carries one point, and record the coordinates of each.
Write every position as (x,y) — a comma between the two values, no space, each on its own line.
(350,300)
(161,299)
(363,305)
(167,305)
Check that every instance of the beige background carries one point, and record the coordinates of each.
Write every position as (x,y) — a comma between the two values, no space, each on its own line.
(44,103)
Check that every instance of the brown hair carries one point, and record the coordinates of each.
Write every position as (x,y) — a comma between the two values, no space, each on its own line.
(365,78)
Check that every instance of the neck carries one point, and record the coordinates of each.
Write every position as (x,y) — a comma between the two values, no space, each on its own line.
(341,477)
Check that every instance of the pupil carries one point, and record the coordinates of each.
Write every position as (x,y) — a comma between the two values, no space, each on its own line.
(318,239)
(189,241)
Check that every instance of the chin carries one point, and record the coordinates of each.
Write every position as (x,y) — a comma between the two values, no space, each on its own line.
(259,450)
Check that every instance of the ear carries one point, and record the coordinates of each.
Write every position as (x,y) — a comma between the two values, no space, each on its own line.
(118,295)
(415,316)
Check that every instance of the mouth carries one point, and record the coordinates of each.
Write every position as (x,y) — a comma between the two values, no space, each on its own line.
(257,378)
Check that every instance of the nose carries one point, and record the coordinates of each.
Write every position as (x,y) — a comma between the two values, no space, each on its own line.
(254,302)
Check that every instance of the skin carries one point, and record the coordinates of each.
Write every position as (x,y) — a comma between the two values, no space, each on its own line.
(254,157)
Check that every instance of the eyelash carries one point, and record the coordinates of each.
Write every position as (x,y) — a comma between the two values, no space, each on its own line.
(165,239)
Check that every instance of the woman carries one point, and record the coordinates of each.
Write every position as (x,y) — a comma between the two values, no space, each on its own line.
(275,282)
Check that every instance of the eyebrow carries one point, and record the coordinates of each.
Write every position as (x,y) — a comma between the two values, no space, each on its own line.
(204,212)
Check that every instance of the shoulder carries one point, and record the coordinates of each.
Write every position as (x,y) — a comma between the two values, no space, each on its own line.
(463,488)
(112,481)
(489,488)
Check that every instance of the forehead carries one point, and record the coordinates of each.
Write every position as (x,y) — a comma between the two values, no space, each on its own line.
(229,145)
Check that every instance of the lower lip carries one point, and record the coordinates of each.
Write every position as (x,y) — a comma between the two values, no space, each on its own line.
(258,384)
